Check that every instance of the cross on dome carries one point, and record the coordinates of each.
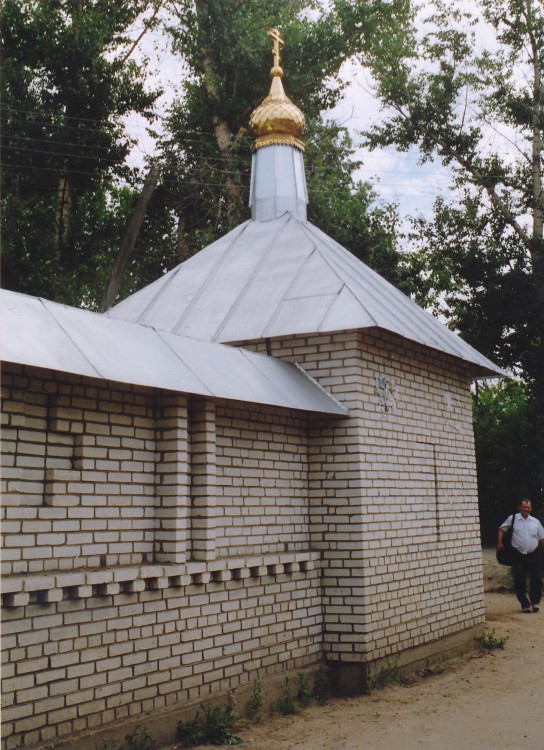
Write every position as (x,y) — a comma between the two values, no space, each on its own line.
(275,34)
(277,121)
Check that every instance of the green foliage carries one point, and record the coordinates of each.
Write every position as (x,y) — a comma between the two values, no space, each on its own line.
(322,691)
(444,93)
(386,675)
(139,739)
(477,272)
(206,151)
(66,84)
(286,704)
(255,703)
(492,642)
(506,451)
(211,726)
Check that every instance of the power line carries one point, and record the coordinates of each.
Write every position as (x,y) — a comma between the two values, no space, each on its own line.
(358,165)
(314,190)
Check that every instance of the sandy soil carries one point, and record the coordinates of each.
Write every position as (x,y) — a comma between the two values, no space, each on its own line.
(484,702)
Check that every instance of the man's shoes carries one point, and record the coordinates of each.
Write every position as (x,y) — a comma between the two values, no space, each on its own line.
(536,608)
(526,610)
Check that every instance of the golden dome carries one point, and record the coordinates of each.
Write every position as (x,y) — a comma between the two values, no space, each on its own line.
(277,121)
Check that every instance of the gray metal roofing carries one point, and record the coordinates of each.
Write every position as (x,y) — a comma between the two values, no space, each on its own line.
(283,277)
(45,334)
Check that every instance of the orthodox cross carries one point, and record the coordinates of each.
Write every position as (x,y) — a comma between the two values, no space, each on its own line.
(275,34)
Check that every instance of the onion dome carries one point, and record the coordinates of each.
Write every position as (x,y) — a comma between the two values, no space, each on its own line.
(277,121)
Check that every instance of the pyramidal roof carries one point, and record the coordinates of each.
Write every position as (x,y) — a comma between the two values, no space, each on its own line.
(279,275)
(279,278)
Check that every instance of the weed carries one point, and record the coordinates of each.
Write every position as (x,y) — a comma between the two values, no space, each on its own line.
(232,705)
(304,695)
(140,739)
(211,726)
(491,642)
(287,704)
(255,703)
(322,687)
(387,675)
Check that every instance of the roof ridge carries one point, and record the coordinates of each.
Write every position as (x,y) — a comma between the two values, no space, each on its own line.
(308,227)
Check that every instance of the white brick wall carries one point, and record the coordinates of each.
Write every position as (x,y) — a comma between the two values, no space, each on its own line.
(79,663)
(158,548)
(111,494)
(262,482)
(79,487)
(393,495)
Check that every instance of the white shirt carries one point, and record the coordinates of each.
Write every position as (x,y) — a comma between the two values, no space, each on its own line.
(527,532)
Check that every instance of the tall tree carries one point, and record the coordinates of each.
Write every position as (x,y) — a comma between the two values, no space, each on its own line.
(206,151)
(68,80)
(445,95)
(506,451)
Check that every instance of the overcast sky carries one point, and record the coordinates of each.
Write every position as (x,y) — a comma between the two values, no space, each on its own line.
(397,176)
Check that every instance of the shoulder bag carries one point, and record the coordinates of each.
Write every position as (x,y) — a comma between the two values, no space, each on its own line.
(505,556)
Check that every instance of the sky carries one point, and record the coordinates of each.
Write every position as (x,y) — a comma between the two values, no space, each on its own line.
(397,177)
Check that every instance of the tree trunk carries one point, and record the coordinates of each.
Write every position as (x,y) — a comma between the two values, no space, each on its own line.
(129,238)
(64,210)
(181,244)
(221,129)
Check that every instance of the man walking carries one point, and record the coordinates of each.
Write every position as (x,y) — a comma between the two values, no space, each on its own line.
(528,534)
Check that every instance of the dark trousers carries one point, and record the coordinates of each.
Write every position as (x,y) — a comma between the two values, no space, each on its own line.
(528,565)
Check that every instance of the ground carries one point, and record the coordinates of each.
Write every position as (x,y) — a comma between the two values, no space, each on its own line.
(483,702)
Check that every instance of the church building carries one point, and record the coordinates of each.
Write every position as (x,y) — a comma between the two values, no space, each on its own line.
(260,463)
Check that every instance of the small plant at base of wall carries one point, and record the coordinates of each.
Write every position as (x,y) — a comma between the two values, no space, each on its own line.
(140,739)
(492,642)
(287,705)
(255,703)
(211,726)
(387,675)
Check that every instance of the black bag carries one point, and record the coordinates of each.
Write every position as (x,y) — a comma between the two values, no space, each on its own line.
(507,555)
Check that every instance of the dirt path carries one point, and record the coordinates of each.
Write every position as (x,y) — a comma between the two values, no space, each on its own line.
(473,704)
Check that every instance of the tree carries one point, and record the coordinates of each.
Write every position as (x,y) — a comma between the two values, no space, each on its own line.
(506,451)
(473,268)
(226,51)
(445,96)
(349,209)
(68,79)
(206,154)
(68,195)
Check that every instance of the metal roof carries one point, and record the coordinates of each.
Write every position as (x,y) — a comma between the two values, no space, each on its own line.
(283,277)
(45,334)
